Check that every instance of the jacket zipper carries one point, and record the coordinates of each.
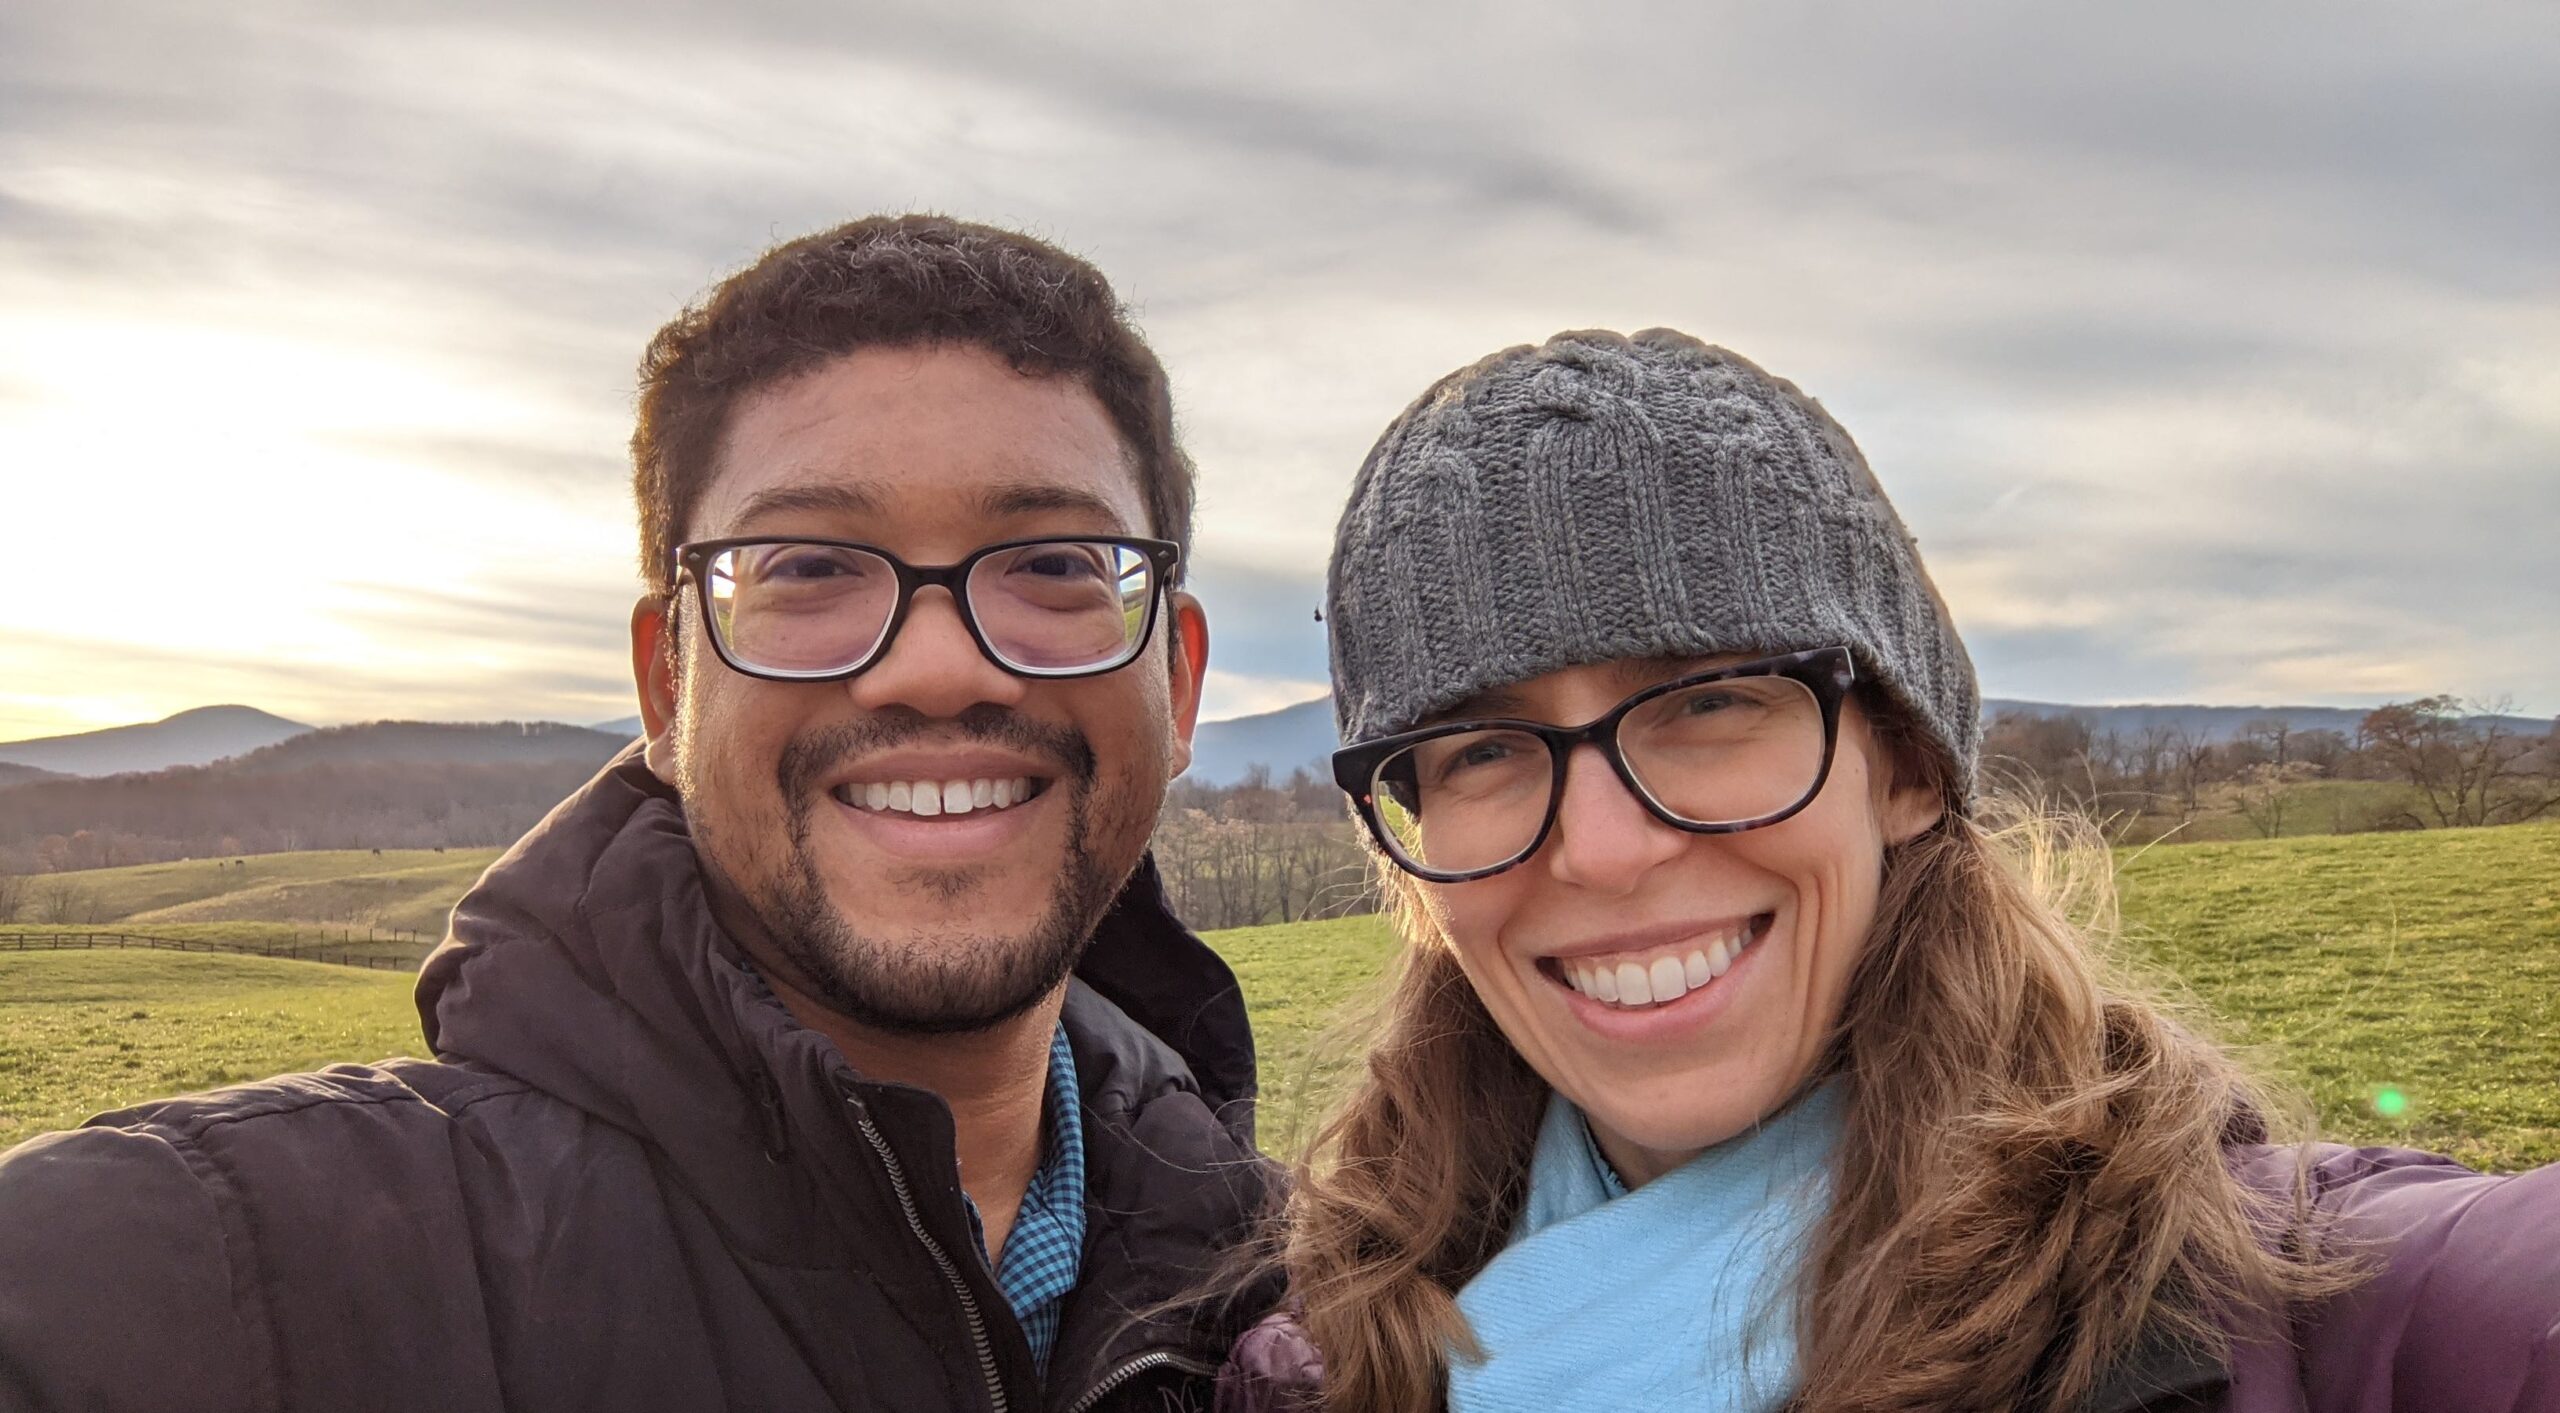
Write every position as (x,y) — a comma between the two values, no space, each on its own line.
(915,1223)
(1155,1359)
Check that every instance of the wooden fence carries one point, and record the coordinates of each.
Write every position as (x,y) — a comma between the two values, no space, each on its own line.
(333,953)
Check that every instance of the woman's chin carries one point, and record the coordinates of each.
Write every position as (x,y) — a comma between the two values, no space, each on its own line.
(1676,1126)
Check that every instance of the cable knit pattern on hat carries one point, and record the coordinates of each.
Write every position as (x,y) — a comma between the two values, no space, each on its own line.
(1600,496)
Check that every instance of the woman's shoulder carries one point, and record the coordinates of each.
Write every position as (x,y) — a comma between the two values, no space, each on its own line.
(2389,1192)
(2461,1295)
(1274,1368)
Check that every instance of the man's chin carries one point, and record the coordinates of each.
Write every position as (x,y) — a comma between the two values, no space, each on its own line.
(955,950)
(908,986)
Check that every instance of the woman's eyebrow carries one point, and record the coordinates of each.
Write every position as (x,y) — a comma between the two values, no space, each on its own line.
(1493,701)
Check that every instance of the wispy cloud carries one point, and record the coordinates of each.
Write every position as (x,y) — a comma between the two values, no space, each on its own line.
(2211,353)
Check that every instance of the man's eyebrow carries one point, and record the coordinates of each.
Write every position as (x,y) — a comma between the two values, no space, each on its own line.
(1034,497)
(836,497)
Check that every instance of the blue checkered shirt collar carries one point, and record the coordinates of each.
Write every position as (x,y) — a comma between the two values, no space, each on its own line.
(1044,1253)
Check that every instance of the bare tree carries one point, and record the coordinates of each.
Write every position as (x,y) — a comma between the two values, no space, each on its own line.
(2466,766)
(64,903)
(2153,747)
(2190,769)
(2271,737)
(13,896)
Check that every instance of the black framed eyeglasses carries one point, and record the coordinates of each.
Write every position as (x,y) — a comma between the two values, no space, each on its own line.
(800,610)
(1715,752)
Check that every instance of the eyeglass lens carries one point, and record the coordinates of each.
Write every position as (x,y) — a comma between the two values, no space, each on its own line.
(1058,606)
(1723,752)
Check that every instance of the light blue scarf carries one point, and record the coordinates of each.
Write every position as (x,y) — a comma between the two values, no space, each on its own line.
(1680,1294)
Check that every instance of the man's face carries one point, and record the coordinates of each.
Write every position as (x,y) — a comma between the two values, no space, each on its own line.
(895,918)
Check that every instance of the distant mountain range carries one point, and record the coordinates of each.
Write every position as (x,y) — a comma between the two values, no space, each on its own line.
(198,737)
(1283,740)
(1223,751)
(382,785)
(216,733)
(12,774)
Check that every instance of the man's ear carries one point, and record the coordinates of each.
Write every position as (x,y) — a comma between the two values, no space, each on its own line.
(1189,632)
(654,673)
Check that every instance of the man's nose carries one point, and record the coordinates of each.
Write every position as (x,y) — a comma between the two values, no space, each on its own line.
(934,666)
(1604,840)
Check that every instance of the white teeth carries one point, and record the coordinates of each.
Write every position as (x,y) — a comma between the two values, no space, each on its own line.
(1660,981)
(928,798)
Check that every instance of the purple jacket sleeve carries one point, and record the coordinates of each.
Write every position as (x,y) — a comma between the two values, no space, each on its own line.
(1274,1368)
(2463,1308)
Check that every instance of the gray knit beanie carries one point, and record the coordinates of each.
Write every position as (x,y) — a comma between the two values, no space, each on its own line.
(1601,497)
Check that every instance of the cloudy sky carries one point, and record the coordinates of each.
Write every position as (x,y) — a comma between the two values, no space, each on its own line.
(2212,351)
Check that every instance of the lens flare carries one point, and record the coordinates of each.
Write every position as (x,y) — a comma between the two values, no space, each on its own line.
(2390,1103)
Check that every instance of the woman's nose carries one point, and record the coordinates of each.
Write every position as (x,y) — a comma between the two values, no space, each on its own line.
(1604,839)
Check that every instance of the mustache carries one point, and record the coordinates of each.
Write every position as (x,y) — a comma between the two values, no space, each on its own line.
(813,754)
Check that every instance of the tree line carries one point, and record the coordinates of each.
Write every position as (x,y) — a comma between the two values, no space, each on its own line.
(2430,763)
(51,826)
(1261,851)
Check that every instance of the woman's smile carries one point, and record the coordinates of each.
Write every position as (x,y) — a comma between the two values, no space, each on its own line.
(1634,976)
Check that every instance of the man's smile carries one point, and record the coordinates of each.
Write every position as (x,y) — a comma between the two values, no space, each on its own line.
(946,806)
(942,784)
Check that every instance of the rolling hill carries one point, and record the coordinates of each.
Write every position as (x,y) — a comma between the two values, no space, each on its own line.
(385,785)
(197,737)
(1284,740)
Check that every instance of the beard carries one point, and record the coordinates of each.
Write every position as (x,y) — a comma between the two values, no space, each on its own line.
(949,981)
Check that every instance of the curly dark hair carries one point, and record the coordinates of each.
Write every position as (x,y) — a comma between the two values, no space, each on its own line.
(887,281)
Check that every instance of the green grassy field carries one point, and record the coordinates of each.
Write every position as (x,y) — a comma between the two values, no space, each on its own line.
(2422,966)
(85,1031)
(2408,984)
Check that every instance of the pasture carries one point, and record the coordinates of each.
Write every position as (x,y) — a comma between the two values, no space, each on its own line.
(2408,985)
(394,889)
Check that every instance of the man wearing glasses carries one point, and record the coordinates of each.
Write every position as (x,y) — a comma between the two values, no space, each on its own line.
(835,1050)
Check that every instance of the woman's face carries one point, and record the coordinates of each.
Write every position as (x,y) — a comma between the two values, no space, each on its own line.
(1788,907)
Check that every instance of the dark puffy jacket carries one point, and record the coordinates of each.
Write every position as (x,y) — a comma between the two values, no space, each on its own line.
(2461,1315)
(628,1181)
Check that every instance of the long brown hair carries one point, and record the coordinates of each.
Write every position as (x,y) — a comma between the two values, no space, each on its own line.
(2030,1179)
